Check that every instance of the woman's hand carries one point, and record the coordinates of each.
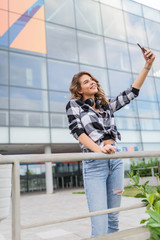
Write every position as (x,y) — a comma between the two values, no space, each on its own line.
(108,148)
(149,56)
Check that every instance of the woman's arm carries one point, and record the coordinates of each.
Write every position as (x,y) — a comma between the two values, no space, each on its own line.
(149,57)
(88,143)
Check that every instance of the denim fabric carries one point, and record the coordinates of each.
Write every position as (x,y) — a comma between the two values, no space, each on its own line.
(101,180)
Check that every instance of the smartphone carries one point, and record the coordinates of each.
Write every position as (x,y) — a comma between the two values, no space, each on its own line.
(141,47)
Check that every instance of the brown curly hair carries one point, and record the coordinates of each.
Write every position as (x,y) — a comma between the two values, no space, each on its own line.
(75,86)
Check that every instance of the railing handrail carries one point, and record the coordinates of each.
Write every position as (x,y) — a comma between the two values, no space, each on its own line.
(63,157)
(85,215)
(15,160)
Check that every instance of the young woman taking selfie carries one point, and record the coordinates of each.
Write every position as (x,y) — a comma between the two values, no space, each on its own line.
(91,121)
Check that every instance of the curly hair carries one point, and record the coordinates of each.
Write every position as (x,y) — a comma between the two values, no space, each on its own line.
(75,86)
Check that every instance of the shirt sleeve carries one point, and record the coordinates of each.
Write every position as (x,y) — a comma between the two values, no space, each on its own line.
(123,98)
(75,125)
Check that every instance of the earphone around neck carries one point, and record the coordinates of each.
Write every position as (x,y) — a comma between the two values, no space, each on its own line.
(90,102)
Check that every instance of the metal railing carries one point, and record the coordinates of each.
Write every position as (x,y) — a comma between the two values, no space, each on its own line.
(15,160)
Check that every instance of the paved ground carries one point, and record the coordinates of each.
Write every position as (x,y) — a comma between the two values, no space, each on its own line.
(37,207)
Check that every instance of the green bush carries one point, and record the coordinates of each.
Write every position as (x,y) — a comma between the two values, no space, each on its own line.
(146,171)
(151,197)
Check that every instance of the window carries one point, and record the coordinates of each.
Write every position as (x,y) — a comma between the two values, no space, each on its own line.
(61,42)
(91,49)
(147,91)
(135,29)
(148,109)
(153,30)
(127,123)
(3,97)
(28,99)
(117,55)
(137,59)
(132,7)
(119,81)
(56,12)
(59,120)
(60,74)
(28,119)
(28,71)
(4,67)
(58,102)
(113,23)
(88,16)
(150,124)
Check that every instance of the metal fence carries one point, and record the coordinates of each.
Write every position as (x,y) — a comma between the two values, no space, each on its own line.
(15,160)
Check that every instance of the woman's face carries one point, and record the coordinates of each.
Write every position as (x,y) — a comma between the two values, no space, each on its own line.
(88,87)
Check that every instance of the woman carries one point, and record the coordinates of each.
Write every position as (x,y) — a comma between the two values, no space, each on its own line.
(91,122)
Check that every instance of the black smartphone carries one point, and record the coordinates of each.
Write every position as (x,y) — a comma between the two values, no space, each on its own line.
(141,47)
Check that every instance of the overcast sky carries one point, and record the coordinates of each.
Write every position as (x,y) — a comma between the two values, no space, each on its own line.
(152,3)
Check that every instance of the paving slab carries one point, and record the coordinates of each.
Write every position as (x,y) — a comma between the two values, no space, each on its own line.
(39,207)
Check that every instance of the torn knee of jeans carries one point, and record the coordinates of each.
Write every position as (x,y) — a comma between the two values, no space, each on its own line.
(117,191)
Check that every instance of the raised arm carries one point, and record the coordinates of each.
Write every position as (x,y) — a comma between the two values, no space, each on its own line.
(149,57)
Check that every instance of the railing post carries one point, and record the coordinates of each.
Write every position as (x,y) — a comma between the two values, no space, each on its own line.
(16,228)
(49,175)
(152,171)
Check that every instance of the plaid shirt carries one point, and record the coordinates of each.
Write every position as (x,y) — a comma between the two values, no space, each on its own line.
(84,119)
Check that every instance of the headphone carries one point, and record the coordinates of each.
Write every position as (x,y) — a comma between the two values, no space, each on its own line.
(90,102)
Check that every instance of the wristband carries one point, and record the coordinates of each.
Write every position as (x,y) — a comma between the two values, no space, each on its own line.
(147,68)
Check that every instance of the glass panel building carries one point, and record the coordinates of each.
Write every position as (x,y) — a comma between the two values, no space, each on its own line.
(44,43)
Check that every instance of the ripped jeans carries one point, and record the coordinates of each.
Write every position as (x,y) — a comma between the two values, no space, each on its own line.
(103,182)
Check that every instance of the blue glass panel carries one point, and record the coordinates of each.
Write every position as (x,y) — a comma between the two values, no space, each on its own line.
(28,99)
(148,109)
(113,23)
(117,55)
(137,59)
(61,12)
(153,33)
(129,110)
(58,101)
(59,120)
(151,13)
(91,49)
(61,42)
(88,16)
(156,64)
(150,124)
(28,119)
(119,82)
(147,91)
(28,71)
(157,81)
(4,118)
(60,74)
(3,97)
(135,22)
(132,7)
(3,67)
(127,123)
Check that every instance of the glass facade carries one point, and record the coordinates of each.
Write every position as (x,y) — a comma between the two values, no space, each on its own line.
(44,43)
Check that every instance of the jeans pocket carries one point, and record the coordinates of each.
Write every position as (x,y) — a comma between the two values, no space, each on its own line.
(89,161)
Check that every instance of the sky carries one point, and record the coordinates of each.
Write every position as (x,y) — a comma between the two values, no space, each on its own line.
(152,3)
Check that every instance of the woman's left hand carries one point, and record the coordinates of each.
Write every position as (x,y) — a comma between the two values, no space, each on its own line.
(149,56)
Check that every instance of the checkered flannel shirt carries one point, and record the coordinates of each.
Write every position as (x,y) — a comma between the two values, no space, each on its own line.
(83,118)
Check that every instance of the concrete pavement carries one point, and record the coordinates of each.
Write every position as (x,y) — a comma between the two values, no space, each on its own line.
(38,207)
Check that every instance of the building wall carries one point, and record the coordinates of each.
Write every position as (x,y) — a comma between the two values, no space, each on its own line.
(44,43)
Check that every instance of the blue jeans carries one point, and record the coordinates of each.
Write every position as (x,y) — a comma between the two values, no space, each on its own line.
(103,182)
